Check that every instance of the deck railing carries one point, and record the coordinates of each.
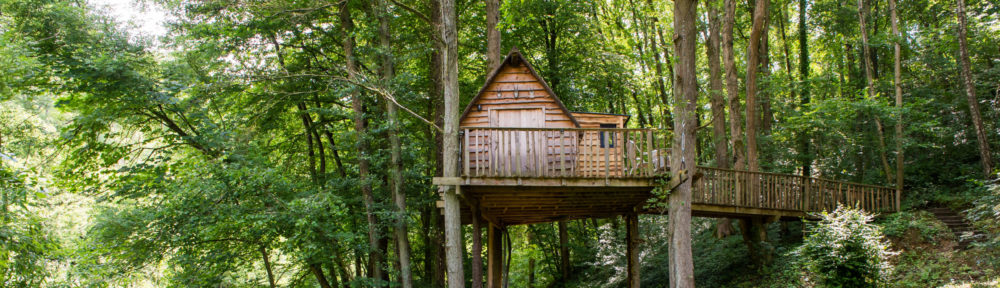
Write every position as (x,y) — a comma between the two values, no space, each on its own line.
(788,192)
(563,152)
(644,153)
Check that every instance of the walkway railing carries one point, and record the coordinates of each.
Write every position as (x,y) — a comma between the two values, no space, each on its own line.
(788,192)
(563,152)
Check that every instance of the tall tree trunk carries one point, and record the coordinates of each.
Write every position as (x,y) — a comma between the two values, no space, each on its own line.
(435,265)
(683,163)
(970,91)
(732,86)
(360,126)
(724,225)
(804,138)
(766,115)
(866,54)
(759,20)
(452,208)
(493,35)
(897,78)
(661,87)
(396,182)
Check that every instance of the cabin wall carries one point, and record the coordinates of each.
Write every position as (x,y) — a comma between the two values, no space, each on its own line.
(592,157)
(516,88)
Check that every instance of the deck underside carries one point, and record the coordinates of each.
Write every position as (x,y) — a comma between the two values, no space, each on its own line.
(516,201)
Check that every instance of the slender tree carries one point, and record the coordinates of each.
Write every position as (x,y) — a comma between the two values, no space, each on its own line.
(732,86)
(361,128)
(970,90)
(396,182)
(685,151)
(804,91)
(718,100)
(869,77)
(897,78)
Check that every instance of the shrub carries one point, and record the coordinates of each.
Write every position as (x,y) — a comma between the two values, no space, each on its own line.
(845,249)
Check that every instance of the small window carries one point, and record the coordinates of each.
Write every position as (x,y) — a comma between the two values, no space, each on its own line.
(608,142)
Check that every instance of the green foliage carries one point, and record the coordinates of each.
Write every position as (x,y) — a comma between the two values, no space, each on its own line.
(928,228)
(845,249)
(25,243)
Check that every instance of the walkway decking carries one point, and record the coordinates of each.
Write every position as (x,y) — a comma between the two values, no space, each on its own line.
(515,176)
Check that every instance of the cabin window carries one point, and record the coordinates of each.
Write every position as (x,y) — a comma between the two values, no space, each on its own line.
(608,141)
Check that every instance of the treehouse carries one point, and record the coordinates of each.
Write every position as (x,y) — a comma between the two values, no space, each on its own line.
(525,158)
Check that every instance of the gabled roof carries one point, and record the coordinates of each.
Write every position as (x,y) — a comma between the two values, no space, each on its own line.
(514,58)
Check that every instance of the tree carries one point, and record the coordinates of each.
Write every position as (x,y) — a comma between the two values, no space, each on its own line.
(753,60)
(397,181)
(970,91)
(684,161)
(361,128)
(732,86)
(452,210)
(493,35)
(718,102)
(899,98)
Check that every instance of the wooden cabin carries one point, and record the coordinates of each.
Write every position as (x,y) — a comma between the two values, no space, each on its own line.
(516,126)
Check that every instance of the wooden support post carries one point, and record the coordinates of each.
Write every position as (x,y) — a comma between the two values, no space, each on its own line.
(494,250)
(477,249)
(632,242)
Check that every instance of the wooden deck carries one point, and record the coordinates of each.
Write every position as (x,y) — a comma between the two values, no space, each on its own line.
(514,176)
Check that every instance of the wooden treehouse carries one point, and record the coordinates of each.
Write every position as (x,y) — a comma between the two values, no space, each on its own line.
(526,158)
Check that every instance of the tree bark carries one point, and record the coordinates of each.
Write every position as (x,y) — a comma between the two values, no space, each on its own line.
(732,86)
(897,78)
(632,250)
(396,182)
(970,91)
(360,126)
(753,60)
(718,101)
(492,34)
(869,78)
(685,151)
(452,208)
(804,93)
(267,266)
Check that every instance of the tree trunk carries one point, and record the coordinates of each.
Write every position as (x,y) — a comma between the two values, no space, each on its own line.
(970,91)
(318,273)
(435,259)
(759,20)
(267,266)
(866,54)
(804,138)
(493,35)
(732,86)
(685,152)
(897,77)
(396,182)
(764,93)
(452,208)
(718,98)
(360,126)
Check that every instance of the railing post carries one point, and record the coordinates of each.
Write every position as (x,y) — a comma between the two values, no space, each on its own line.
(465,146)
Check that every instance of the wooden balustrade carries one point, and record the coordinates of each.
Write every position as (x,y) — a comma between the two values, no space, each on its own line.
(643,153)
(788,192)
(563,152)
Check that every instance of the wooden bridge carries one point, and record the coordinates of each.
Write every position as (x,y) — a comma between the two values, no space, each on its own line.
(513,176)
